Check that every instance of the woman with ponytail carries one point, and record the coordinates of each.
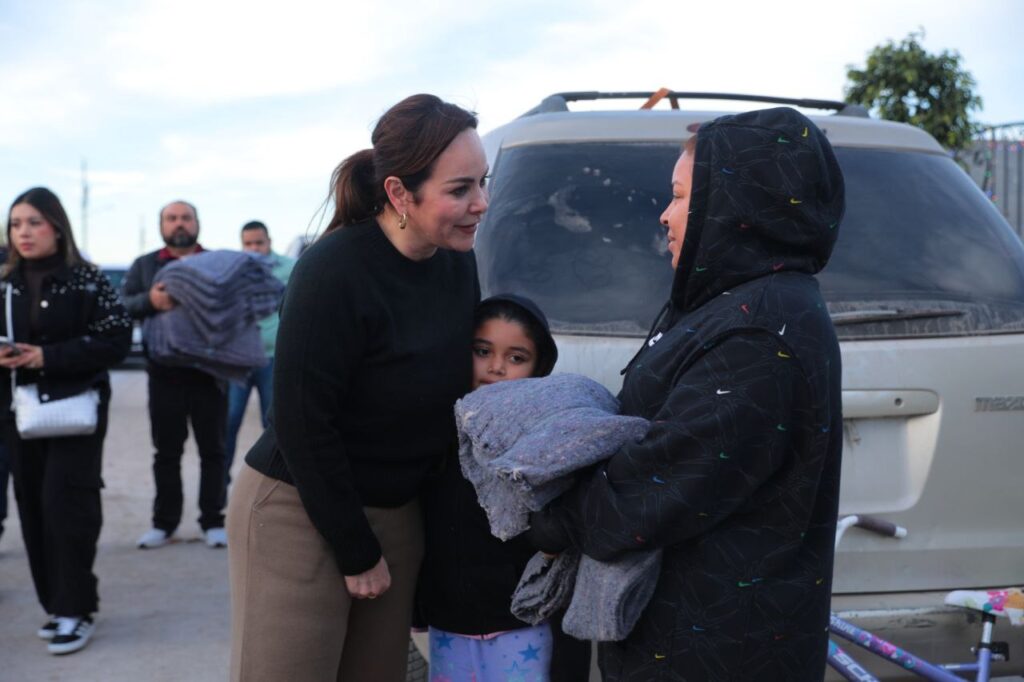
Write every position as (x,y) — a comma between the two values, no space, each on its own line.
(324,527)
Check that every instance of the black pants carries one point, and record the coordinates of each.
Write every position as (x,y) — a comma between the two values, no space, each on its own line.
(178,396)
(57,487)
(570,657)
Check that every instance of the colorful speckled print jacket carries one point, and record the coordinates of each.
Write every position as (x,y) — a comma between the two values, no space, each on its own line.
(738,478)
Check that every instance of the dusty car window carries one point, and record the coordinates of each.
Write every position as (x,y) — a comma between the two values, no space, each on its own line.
(921,251)
(919,235)
(575,227)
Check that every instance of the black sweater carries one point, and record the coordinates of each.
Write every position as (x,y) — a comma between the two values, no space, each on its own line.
(372,352)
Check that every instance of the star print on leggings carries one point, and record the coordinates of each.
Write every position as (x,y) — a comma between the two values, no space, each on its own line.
(529,653)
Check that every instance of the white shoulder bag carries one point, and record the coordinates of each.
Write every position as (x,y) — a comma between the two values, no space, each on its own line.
(74,416)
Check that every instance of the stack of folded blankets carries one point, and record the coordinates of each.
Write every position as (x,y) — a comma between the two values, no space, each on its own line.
(520,445)
(220,295)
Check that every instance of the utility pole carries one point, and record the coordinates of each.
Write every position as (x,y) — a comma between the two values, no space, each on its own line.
(85,208)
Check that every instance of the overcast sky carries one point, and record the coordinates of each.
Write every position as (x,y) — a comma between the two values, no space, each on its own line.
(244,108)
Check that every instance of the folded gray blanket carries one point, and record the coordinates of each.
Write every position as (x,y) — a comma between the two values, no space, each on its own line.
(222,292)
(520,441)
(221,296)
(605,598)
(545,587)
(519,444)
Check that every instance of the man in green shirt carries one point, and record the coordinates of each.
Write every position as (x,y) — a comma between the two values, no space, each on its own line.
(256,240)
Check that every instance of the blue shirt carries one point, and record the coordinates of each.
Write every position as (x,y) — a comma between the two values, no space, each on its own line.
(281,267)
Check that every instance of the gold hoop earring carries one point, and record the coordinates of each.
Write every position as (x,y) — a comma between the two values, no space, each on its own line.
(403,221)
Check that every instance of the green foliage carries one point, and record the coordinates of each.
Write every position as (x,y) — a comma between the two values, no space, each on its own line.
(905,83)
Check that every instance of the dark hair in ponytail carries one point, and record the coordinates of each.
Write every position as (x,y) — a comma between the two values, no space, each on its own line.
(407,140)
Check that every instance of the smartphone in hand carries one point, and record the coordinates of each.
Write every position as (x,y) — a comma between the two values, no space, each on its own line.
(8,344)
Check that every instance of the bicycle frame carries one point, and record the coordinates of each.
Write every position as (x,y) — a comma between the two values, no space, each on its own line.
(850,669)
(846,666)
(843,664)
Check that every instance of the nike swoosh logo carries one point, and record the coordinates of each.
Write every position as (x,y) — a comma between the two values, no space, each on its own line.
(721,392)
(782,331)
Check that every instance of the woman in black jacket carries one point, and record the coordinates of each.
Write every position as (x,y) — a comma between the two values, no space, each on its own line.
(738,478)
(68,328)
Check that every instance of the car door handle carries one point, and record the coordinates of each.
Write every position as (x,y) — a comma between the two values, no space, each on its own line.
(889,403)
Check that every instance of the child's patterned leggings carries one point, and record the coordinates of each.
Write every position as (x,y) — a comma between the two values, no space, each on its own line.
(520,655)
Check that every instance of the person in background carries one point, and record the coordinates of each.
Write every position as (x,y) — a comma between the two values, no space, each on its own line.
(179,395)
(5,458)
(737,480)
(69,329)
(256,240)
(325,528)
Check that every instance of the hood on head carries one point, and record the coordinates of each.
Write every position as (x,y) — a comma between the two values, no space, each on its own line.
(546,347)
(767,196)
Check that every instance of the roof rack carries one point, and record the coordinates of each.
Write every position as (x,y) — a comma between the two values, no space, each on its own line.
(560,101)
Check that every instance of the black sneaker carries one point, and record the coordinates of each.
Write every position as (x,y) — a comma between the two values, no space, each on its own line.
(49,629)
(72,634)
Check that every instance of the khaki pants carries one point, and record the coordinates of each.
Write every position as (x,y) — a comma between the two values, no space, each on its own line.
(291,616)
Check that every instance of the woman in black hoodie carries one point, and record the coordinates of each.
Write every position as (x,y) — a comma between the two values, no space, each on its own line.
(738,478)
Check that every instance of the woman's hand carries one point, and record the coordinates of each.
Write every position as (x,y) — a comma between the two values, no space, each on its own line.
(7,353)
(370,584)
(27,355)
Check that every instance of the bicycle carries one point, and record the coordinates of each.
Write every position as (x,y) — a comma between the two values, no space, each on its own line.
(990,604)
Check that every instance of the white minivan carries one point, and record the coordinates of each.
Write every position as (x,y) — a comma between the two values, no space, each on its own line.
(926,289)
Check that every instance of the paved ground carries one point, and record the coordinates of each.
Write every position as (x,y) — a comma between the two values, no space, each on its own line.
(164,612)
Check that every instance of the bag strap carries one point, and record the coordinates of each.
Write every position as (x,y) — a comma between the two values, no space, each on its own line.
(10,334)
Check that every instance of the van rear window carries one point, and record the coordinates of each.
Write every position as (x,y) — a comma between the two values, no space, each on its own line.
(921,251)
